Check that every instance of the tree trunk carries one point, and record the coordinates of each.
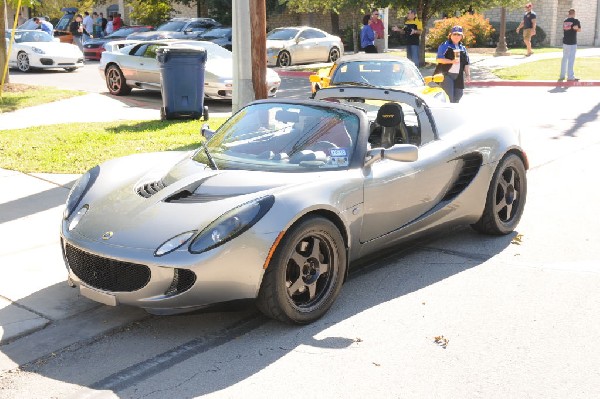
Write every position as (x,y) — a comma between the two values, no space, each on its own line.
(501,48)
(335,23)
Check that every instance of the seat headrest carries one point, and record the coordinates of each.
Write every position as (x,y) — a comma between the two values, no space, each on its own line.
(390,114)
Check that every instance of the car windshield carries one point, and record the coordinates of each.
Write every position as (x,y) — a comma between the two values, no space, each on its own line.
(282,34)
(378,73)
(123,32)
(216,33)
(26,37)
(284,138)
(172,26)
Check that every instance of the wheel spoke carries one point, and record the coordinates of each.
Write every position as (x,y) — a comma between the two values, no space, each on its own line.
(312,290)
(299,259)
(295,286)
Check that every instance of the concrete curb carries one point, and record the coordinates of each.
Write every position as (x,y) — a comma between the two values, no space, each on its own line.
(533,83)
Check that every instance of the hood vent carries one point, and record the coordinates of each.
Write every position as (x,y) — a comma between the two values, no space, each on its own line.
(147,190)
(187,197)
(470,167)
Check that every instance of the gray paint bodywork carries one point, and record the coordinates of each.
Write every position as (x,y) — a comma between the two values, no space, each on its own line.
(376,204)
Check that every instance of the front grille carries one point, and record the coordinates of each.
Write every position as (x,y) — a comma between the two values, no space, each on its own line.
(106,274)
(147,190)
(91,45)
(46,61)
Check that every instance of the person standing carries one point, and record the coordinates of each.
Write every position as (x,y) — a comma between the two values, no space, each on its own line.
(412,32)
(44,25)
(109,26)
(571,26)
(104,22)
(367,36)
(88,23)
(78,30)
(528,24)
(377,26)
(97,24)
(117,21)
(453,63)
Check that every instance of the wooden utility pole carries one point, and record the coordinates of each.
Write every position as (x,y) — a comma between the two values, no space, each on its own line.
(258,28)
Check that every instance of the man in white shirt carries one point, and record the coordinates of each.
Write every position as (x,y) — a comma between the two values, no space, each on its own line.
(88,23)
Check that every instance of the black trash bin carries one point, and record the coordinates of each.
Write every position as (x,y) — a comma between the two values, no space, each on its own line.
(182,82)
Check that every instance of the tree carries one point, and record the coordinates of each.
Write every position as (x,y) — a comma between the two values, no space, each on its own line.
(4,76)
(150,12)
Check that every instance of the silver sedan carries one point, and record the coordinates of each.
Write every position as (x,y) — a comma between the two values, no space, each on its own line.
(302,44)
(125,67)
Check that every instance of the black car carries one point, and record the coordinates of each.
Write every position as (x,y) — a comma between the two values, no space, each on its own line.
(93,48)
(220,35)
(177,28)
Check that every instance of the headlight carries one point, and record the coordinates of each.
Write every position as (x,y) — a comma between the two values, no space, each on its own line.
(174,243)
(77,218)
(440,96)
(37,50)
(231,224)
(80,187)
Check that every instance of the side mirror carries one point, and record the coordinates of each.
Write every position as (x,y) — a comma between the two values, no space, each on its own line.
(300,39)
(399,152)
(206,132)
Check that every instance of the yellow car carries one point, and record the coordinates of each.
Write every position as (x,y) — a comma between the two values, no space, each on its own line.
(377,70)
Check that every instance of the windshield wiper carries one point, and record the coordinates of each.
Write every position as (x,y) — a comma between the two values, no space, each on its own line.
(211,161)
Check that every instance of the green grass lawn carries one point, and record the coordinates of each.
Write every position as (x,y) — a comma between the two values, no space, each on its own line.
(586,68)
(74,148)
(16,96)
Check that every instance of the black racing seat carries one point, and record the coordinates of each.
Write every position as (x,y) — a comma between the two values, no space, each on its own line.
(391,119)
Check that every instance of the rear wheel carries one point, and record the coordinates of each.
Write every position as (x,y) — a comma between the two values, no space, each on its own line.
(334,54)
(505,199)
(115,81)
(284,59)
(23,62)
(306,273)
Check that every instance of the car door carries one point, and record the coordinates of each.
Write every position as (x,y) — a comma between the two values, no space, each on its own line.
(315,44)
(147,68)
(396,193)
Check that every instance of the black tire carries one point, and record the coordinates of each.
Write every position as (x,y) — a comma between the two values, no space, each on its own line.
(306,273)
(23,62)
(115,81)
(505,199)
(284,59)
(334,54)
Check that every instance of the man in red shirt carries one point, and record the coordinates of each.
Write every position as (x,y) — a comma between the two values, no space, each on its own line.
(117,22)
(377,25)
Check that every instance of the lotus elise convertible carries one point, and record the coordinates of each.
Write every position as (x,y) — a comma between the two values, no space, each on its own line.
(278,202)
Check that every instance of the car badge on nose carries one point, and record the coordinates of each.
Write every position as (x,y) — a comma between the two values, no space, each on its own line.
(107,235)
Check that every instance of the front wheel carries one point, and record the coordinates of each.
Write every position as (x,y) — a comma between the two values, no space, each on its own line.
(115,81)
(284,59)
(23,62)
(505,198)
(306,273)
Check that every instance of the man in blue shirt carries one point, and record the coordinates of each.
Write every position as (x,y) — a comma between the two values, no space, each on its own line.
(44,25)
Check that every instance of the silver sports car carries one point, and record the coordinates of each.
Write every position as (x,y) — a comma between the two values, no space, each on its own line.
(283,197)
(302,44)
(135,66)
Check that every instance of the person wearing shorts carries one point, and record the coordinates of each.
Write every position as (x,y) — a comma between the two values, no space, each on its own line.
(528,25)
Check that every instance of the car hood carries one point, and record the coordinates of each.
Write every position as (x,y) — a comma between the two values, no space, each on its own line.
(193,196)
(224,69)
(54,48)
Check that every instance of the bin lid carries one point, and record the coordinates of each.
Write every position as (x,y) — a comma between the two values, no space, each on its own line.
(183,51)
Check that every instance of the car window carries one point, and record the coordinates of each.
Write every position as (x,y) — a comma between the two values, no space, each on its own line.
(29,36)
(378,73)
(216,33)
(150,51)
(312,34)
(285,137)
(63,22)
(282,34)
(172,26)
(138,50)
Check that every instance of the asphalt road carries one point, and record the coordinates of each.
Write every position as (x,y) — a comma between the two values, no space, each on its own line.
(460,315)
